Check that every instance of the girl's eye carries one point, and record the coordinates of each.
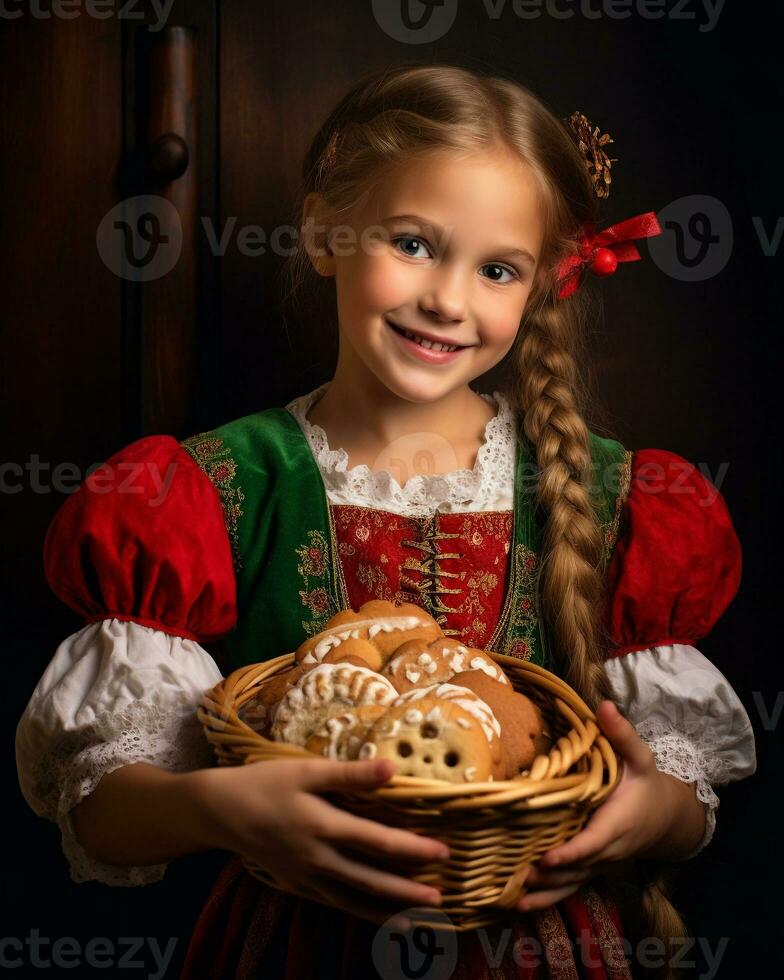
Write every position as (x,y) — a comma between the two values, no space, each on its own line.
(500,269)
(405,240)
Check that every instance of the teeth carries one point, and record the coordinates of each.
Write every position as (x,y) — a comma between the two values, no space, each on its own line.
(428,343)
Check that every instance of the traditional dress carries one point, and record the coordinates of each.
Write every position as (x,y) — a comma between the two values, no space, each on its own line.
(248,538)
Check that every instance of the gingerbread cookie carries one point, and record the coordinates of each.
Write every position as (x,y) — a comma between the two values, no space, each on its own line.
(431,738)
(475,706)
(520,719)
(418,663)
(326,690)
(372,633)
(341,736)
(258,710)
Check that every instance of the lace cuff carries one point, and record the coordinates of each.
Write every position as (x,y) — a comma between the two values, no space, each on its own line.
(679,756)
(115,693)
(685,710)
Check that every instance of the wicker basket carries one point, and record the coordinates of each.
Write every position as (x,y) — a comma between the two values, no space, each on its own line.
(494,830)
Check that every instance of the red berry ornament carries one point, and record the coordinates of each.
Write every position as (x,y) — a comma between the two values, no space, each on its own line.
(604,262)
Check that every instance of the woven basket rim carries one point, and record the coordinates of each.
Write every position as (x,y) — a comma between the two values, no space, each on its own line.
(547,783)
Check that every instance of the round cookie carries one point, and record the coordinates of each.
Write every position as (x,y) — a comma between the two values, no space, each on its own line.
(419,664)
(258,710)
(341,736)
(381,626)
(326,690)
(520,719)
(433,739)
(475,706)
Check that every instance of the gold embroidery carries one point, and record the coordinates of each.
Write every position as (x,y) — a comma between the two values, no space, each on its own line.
(607,936)
(610,529)
(556,945)
(215,459)
(523,621)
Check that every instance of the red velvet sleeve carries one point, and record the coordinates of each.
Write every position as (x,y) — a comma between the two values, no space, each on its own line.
(677,563)
(143,539)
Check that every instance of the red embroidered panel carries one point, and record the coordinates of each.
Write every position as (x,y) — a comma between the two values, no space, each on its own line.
(453,565)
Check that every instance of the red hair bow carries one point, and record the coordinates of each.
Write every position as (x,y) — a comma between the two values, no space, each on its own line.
(603,251)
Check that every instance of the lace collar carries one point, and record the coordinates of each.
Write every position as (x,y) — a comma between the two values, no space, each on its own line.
(488,486)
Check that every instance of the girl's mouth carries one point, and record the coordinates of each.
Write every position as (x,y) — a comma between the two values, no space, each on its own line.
(419,349)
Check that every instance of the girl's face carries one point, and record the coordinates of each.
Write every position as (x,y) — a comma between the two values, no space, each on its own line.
(446,248)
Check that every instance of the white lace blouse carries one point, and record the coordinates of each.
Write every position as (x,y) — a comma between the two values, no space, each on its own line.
(117,692)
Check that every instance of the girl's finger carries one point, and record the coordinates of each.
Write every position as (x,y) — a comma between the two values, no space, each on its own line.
(623,736)
(324,775)
(543,899)
(380,883)
(340,827)
(590,845)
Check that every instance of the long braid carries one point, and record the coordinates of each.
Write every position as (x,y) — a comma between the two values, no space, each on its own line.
(570,586)
(570,582)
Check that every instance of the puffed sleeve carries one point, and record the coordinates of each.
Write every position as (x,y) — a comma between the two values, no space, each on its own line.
(140,551)
(675,569)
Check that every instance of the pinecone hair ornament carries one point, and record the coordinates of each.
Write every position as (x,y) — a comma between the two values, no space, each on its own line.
(589,143)
(600,252)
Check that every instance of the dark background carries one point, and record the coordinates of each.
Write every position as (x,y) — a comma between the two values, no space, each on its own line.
(688,366)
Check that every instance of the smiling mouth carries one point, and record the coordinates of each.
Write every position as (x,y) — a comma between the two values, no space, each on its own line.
(427,344)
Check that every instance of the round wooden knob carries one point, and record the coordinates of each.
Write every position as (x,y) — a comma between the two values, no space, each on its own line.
(168,156)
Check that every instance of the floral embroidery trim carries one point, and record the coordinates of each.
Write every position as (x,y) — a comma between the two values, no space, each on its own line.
(523,621)
(315,596)
(216,460)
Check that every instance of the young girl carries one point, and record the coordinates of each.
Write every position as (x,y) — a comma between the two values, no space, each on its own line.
(447,209)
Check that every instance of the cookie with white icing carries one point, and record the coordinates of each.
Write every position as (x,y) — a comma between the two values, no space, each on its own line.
(520,719)
(258,710)
(417,663)
(474,705)
(431,738)
(341,736)
(372,633)
(326,690)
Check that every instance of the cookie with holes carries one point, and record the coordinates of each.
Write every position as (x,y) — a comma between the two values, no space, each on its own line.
(372,633)
(341,736)
(472,703)
(431,738)
(417,663)
(520,719)
(326,690)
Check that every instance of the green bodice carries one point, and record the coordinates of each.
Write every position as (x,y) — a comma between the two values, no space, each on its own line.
(284,548)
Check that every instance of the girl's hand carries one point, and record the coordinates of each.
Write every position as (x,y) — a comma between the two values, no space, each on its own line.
(634,816)
(271,811)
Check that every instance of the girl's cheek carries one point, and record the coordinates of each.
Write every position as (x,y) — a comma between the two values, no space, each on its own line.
(386,284)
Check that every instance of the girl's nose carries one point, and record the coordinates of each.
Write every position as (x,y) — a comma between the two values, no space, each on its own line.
(446,295)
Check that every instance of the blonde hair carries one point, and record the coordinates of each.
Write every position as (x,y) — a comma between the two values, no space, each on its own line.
(391,117)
